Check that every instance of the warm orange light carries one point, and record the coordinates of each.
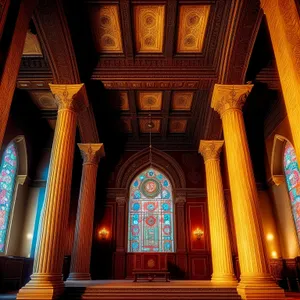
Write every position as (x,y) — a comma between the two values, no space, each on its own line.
(103,234)
(274,254)
(198,233)
(270,237)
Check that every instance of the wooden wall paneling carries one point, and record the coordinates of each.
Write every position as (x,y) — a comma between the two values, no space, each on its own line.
(200,267)
(129,265)
(181,266)
(180,224)
(197,216)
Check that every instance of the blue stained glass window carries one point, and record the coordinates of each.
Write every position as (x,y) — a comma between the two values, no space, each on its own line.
(8,172)
(150,222)
(292,176)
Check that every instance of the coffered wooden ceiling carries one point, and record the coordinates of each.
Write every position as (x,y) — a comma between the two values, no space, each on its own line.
(158,56)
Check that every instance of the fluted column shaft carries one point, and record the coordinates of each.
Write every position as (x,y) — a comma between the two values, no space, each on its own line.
(284,26)
(81,254)
(219,235)
(46,280)
(256,282)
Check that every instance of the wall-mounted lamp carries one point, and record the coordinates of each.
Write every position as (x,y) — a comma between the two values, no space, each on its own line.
(198,233)
(274,254)
(103,234)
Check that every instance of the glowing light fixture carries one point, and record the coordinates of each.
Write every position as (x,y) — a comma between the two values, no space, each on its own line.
(29,236)
(270,237)
(274,254)
(103,234)
(198,233)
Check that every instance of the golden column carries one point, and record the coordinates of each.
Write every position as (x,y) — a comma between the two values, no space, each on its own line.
(256,282)
(81,255)
(46,281)
(284,26)
(219,235)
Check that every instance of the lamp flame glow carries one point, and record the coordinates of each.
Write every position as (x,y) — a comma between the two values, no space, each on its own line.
(198,233)
(103,234)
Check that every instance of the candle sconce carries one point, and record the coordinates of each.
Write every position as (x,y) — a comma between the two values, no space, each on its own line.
(103,234)
(198,233)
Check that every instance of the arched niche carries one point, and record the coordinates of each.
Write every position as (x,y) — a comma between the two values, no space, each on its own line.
(277,172)
(128,171)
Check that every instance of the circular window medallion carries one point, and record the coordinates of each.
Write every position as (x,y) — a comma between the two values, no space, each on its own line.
(150,187)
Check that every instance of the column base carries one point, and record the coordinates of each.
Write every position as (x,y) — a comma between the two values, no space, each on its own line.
(259,289)
(42,287)
(229,279)
(79,276)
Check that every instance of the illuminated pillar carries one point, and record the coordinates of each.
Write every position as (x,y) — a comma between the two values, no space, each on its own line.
(47,281)
(256,282)
(219,236)
(81,254)
(284,26)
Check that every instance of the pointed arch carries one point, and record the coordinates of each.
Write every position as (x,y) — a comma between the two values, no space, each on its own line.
(277,171)
(160,160)
(150,213)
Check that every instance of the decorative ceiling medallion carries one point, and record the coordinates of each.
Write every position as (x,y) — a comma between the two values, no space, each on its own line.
(149,100)
(144,128)
(182,100)
(43,99)
(192,25)
(177,126)
(149,23)
(105,22)
(126,125)
(150,187)
(32,45)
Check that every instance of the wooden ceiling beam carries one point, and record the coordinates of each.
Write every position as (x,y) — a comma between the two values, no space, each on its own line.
(54,35)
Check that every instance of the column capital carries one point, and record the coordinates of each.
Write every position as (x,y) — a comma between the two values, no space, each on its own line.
(210,149)
(229,96)
(91,153)
(70,96)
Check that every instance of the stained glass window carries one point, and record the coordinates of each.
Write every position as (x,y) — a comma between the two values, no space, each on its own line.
(8,170)
(292,176)
(150,213)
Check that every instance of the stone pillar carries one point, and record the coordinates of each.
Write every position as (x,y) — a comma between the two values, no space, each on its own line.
(256,281)
(46,281)
(219,235)
(284,26)
(81,254)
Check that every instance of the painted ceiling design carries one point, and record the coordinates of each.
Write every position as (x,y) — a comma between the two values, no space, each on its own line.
(192,25)
(158,56)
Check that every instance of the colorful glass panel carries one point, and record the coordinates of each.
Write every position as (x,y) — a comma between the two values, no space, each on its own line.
(150,213)
(292,176)
(8,170)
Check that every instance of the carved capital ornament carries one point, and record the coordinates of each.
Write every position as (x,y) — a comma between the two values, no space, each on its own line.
(227,97)
(210,149)
(91,153)
(70,96)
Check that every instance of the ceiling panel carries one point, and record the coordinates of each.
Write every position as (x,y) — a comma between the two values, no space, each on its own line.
(149,21)
(192,26)
(105,24)
(182,101)
(177,125)
(32,45)
(43,99)
(150,100)
(126,125)
(144,125)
